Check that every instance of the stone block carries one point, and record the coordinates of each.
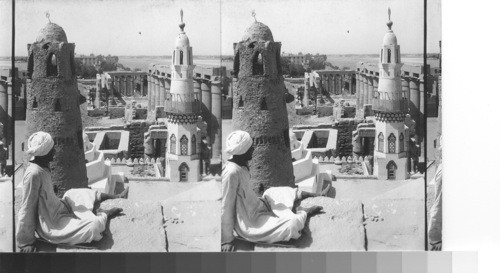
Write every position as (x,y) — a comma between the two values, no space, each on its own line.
(192,226)
(339,228)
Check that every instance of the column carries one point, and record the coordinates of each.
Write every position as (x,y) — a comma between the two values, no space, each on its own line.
(4,105)
(120,85)
(142,85)
(167,89)
(365,89)
(305,99)
(149,92)
(129,86)
(375,87)
(358,91)
(206,107)
(415,102)
(216,121)
(162,92)
(422,106)
(153,93)
(112,89)
(370,89)
(97,98)
(157,92)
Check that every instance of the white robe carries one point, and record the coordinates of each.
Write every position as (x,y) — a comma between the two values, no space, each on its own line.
(268,219)
(436,212)
(69,220)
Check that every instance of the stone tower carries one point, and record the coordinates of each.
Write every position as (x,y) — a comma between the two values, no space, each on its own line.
(259,107)
(390,105)
(182,108)
(53,105)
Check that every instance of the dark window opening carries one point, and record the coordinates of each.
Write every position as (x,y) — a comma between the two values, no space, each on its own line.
(258,66)
(181,57)
(52,65)
(57,106)
(251,45)
(30,65)
(45,46)
(183,172)
(236,64)
(263,104)
(391,170)
(240,102)
(388,55)
(35,103)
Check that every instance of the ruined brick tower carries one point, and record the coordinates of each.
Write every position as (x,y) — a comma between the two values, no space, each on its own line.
(53,105)
(182,107)
(259,107)
(390,105)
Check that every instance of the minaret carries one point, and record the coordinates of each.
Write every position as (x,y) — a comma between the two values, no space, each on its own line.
(53,105)
(259,107)
(390,105)
(182,108)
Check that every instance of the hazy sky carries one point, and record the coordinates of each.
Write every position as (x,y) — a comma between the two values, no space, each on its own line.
(149,27)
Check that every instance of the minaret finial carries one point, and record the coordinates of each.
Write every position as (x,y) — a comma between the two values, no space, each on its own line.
(182,25)
(253,15)
(389,23)
(47,14)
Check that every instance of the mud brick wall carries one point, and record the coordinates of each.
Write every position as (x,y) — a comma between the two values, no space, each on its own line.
(324,111)
(345,127)
(116,112)
(136,138)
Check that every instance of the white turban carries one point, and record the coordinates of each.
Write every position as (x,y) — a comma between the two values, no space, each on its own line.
(39,144)
(238,143)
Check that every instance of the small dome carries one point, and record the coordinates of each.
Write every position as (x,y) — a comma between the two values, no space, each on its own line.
(258,32)
(52,33)
(390,38)
(182,40)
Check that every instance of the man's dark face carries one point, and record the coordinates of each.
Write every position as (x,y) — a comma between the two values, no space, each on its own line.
(50,155)
(248,154)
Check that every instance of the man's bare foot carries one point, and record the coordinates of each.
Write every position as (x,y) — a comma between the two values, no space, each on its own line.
(111,213)
(326,190)
(436,246)
(123,194)
(313,210)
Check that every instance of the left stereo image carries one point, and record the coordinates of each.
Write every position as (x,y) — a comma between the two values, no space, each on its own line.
(117,112)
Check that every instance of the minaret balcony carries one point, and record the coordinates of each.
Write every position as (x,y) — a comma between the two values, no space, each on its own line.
(182,107)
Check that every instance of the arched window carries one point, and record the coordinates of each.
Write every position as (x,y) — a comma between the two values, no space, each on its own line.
(381,142)
(173,144)
(193,145)
(392,143)
(181,57)
(263,104)
(184,145)
(401,142)
(391,170)
(57,106)
(388,55)
(35,103)
(258,65)
(183,172)
(240,102)
(52,65)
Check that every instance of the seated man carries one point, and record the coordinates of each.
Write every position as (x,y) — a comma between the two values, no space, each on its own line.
(268,219)
(69,220)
